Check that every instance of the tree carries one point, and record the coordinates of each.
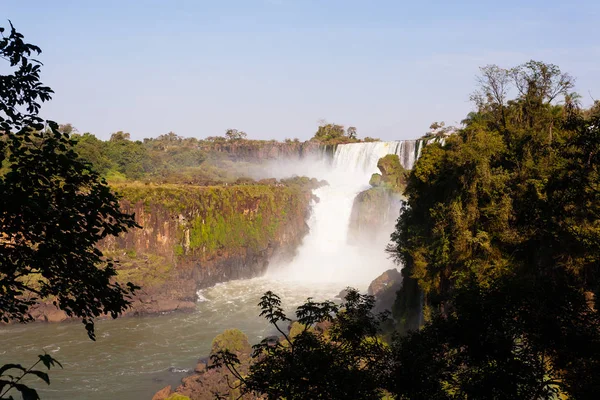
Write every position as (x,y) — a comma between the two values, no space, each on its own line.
(54,210)
(94,151)
(69,129)
(500,244)
(351,132)
(331,352)
(234,134)
(512,340)
(328,132)
(439,130)
(131,158)
(120,136)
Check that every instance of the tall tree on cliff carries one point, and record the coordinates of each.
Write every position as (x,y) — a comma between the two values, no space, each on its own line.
(54,210)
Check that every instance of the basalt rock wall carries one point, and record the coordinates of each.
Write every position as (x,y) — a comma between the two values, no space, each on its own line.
(193,237)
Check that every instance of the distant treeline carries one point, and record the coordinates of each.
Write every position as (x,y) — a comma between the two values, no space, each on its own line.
(175,159)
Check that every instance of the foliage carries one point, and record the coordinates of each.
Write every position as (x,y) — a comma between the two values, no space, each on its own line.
(501,233)
(232,340)
(439,130)
(177,396)
(8,381)
(345,361)
(234,134)
(333,134)
(513,340)
(393,176)
(54,211)
(221,219)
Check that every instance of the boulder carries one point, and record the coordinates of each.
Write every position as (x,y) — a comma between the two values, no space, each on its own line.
(384,288)
(56,315)
(162,394)
(383,281)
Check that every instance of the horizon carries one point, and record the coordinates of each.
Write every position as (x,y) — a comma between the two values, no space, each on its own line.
(274,68)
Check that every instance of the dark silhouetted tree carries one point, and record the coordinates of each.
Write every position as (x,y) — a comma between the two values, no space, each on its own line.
(54,210)
(331,352)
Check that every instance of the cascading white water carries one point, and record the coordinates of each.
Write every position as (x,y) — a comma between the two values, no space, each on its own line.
(364,156)
(325,255)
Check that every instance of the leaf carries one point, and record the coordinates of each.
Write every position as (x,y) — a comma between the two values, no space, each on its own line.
(49,361)
(27,392)
(6,367)
(42,375)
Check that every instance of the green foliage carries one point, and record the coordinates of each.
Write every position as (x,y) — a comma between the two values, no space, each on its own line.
(226,218)
(333,134)
(501,233)
(376,180)
(393,175)
(439,130)
(346,362)
(512,340)
(177,396)
(232,340)
(55,209)
(9,381)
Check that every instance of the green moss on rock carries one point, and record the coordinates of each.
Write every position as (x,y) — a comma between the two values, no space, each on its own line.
(177,396)
(393,175)
(232,340)
(217,219)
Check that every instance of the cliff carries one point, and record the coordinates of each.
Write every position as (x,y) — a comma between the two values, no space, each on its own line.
(261,150)
(194,236)
(374,214)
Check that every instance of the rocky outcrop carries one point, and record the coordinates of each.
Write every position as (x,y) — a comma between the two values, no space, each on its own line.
(384,288)
(205,383)
(193,237)
(393,175)
(162,394)
(374,214)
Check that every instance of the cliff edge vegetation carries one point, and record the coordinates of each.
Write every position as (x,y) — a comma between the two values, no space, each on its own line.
(195,236)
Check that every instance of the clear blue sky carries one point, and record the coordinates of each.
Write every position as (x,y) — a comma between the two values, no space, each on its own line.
(273,68)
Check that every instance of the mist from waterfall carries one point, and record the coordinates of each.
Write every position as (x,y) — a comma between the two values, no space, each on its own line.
(326,256)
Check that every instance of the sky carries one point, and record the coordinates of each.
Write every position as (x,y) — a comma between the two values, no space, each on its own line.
(275,68)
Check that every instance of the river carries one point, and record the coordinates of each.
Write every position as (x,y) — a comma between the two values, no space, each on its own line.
(134,357)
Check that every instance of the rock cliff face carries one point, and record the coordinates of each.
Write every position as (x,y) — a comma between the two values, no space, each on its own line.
(193,237)
(374,213)
(261,150)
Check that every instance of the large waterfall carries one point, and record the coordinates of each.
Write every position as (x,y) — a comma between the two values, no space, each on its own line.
(364,156)
(326,256)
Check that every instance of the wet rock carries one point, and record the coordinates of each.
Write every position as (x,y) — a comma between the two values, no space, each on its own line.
(383,281)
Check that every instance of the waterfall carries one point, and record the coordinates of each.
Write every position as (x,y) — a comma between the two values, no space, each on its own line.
(363,157)
(325,255)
